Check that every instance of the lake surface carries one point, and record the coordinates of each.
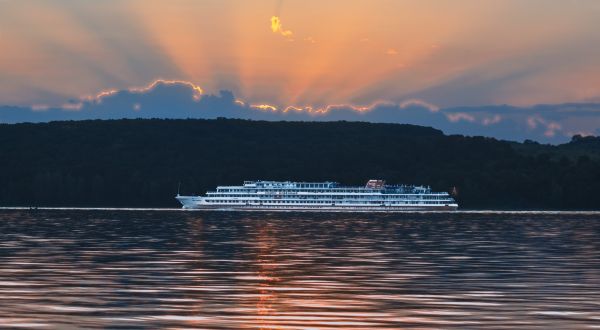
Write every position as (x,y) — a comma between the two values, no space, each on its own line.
(72,269)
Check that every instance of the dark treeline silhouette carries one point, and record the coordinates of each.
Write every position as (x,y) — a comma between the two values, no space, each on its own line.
(139,163)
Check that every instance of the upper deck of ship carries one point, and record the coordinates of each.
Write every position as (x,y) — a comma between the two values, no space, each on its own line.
(291,184)
(373,186)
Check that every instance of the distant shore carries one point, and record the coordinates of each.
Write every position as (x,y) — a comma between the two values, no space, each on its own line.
(142,163)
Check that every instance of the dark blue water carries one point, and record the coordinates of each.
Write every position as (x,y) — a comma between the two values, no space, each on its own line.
(152,269)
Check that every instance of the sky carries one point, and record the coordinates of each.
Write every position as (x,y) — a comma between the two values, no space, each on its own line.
(511,69)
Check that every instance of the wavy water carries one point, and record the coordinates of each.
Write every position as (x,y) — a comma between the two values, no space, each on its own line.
(148,269)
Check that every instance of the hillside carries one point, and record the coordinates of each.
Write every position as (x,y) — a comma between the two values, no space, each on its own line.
(140,162)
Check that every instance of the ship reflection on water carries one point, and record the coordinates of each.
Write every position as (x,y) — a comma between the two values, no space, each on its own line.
(109,269)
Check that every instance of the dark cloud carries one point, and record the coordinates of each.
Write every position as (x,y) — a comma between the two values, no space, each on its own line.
(546,123)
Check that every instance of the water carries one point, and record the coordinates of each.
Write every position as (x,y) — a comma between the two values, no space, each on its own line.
(112,269)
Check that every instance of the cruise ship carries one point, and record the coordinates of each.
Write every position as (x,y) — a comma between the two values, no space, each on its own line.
(375,196)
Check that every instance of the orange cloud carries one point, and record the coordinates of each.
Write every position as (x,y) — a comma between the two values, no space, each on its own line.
(98,97)
(264,107)
(76,106)
(478,120)
(198,92)
(551,127)
(493,120)
(276,27)
(40,107)
(420,103)
(332,107)
(458,116)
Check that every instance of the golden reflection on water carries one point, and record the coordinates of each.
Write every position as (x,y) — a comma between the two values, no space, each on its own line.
(108,269)
(266,275)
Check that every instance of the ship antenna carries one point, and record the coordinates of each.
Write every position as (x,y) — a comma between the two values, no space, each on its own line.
(178,187)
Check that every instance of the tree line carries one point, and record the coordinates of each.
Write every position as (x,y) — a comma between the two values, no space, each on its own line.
(140,163)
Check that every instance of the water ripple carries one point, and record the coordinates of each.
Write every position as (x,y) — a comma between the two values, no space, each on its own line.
(150,269)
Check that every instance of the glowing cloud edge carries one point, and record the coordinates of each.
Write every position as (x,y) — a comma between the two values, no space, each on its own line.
(551,128)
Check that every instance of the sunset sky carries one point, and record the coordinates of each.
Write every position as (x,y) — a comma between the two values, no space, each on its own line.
(464,59)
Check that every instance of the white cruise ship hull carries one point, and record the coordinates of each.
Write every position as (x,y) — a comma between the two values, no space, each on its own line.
(195,203)
(326,209)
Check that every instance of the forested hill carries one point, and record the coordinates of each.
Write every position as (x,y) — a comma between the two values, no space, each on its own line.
(139,163)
